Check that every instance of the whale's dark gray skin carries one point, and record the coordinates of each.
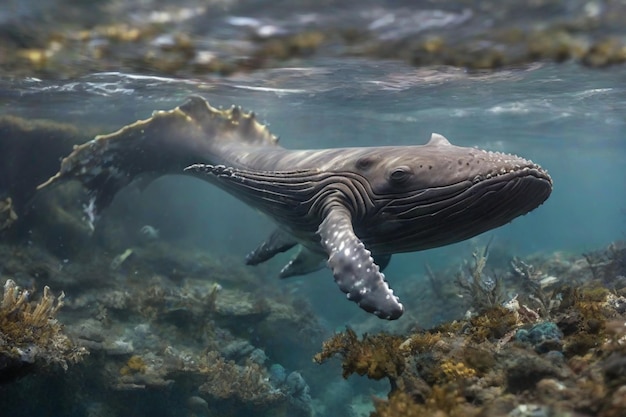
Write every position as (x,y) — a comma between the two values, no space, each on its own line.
(349,207)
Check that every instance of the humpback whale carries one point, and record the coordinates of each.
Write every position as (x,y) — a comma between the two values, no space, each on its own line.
(348,208)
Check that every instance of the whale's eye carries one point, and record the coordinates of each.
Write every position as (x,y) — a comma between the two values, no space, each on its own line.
(400,174)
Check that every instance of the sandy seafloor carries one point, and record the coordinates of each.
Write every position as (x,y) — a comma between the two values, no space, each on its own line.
(160,315)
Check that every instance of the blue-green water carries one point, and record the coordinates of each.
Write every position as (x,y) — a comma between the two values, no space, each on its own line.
(564,117)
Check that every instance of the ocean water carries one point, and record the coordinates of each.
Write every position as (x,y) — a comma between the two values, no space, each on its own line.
(569,119)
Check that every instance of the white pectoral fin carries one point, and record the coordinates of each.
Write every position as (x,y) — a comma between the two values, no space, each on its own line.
(353,267)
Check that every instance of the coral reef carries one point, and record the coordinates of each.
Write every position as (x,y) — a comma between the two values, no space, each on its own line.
(232,389)
(176,331)
(165,320)
(506,359)
(172,324)
(376,356)
(248,383)
(544,337)
(484,292)
(30,336)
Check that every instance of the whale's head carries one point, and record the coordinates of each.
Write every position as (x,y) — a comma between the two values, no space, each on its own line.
(436,194)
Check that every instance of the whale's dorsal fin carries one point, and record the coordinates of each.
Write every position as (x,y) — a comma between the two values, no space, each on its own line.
(438,140)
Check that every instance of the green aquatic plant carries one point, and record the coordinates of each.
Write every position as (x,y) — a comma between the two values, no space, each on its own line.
(30,335)
(436,282)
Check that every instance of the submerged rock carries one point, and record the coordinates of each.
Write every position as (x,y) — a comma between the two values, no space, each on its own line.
(544,337)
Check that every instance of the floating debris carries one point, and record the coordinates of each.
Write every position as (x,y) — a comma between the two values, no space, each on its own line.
(120,259)
(7,214)
(149,232)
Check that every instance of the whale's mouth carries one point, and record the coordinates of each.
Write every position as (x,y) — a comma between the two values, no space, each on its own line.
(498,199)
(449,214)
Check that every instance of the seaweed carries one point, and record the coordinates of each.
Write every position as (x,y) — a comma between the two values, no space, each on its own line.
(436,283)
(377,356)
(135,364)
(585,319)
(607,264)
(420,342)
(533,282)
(484,292)
(492,325)
(566,356)
(30,336)
(227,380)
(453,370)
(443,401)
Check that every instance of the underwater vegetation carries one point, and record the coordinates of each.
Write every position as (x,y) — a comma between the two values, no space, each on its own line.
(170,324)
(376,356)
(252,388)
(31,338)
(170,332)
(174,331)
(521,357)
